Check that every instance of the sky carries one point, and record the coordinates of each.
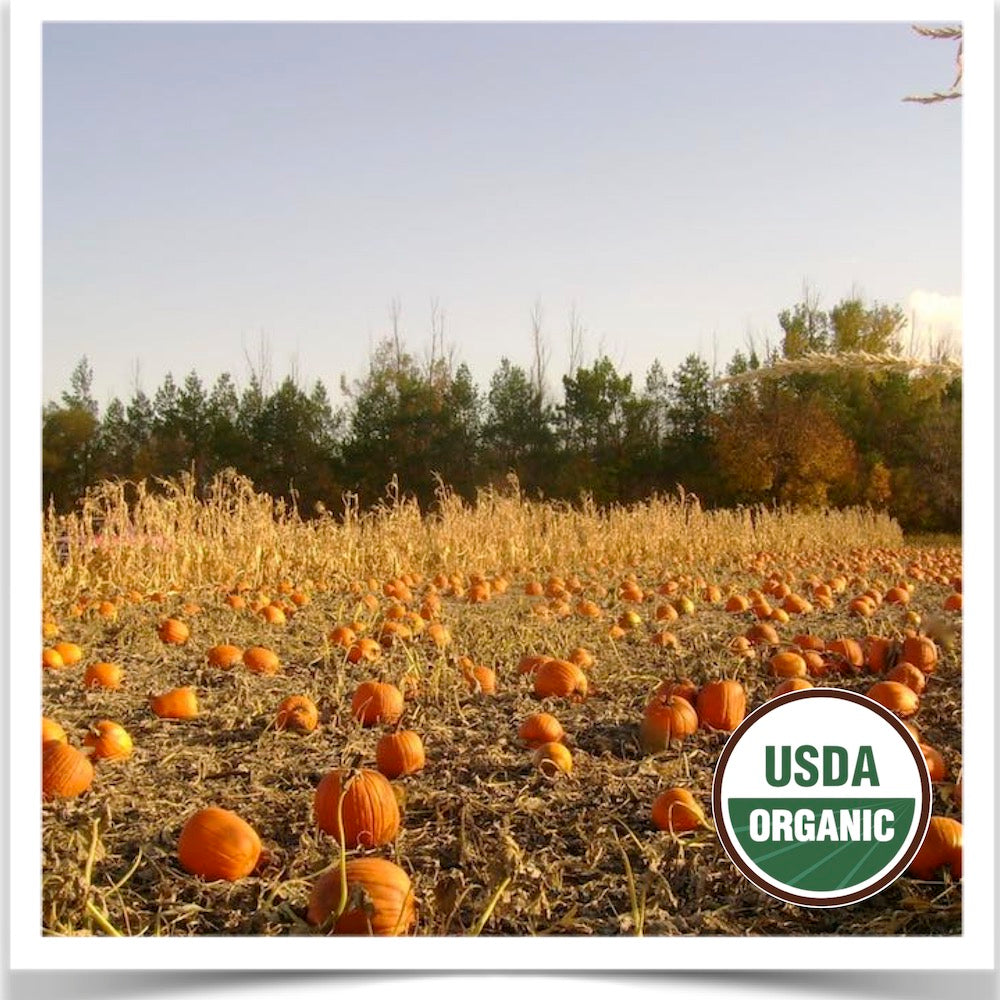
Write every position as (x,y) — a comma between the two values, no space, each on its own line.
(215,190)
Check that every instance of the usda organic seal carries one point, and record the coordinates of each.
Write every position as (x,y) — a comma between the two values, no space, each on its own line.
(822,797)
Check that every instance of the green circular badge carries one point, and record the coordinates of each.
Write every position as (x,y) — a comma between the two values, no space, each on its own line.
(821,797)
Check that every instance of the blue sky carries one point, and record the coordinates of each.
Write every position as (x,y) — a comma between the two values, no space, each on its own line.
(207,185)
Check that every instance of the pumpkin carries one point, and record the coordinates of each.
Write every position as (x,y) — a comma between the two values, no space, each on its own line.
(762,634)
(273,614)
(224,656)
(364,649)
(553,758)
(908,674)
(297,712)
(217,844)
(806,642)
(180,703)
(917,649)
(109,741)
(942,848)
(70,652)
(665,613)
(847,653)
(722,705)
(540,728)
(677,811)
(370,811)
(529,664)
(736,603)
(796,604)
(438,635)
(896,697)
(105,675)
(51,730)
(261,660)
(343,636)
(379,898)
(51,660)
(816,664)
(788,664)
(560,679)
(479,678)
(583,658)
(665,719)
(791,684)
(375,702)
(953,602)
(880,654)
(173,632)
(400,752)
(684,688)
(664,640)
(66,772)
(936,766)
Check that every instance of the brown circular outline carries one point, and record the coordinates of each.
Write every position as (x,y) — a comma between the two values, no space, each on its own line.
(718,810)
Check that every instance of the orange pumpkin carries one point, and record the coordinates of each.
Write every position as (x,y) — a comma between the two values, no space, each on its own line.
(806,641)
(665,719)
(375,702)
(791,684)
(788,664)
(217,844)
(847,653)
(273,614)
(677,810)
(540,728)
(364,649)
(936,766)
(180,703)
(66,772)
(763,634)
(438,635)
(529,664)
(683,688)
(896,697)
(173,632)
(105,675)
(52,660)
(399,753)
(953,602)
(560,679)
(261,660)
(109,741)
(553,758)
(479,678)
(379,895)
(298,713)
(722,705)
(908,674)
(880,654)
(343,636)
(942,848)
(51,730)
(918,650)
(370,811)
(70,652)
(224,656)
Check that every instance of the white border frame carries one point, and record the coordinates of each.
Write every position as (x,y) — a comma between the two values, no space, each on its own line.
(973,950)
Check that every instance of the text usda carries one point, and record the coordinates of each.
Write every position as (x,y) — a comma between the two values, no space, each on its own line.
(821,797)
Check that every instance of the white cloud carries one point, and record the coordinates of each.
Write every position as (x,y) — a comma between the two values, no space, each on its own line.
(933,324)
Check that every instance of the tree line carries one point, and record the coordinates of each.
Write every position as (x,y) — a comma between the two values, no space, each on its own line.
(833,437)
